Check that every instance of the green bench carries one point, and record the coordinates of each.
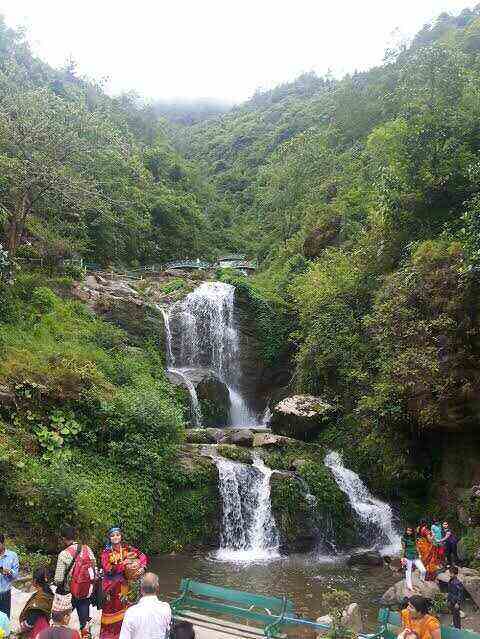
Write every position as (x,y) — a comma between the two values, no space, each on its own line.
(268,612)
(392,625)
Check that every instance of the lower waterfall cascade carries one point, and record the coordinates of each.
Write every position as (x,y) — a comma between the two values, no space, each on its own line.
(375,515)
(248,532)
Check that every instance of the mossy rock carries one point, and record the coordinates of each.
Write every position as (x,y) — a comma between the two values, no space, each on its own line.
(293,513)
(235,453)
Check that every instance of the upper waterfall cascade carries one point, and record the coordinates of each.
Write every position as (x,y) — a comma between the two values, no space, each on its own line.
(249,532)
(375,515)
(201,333)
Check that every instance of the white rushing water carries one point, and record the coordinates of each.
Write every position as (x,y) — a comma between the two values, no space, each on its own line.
(375,515)
(249,532)
(202,333)
(196,412)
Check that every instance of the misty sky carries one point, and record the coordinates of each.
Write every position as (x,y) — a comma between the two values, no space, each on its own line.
(216,48)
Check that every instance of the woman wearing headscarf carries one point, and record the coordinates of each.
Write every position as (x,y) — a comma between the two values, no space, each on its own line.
(122,564)
(35,615)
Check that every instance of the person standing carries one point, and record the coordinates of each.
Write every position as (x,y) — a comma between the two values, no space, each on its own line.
(149,618)
(35,615)
(451,542)
(410,556)
(428,551)
(121,564)
(456,596)
(8,573)
(75,574)
(61,613)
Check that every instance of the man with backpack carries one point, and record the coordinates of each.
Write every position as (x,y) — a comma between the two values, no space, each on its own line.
(75,574)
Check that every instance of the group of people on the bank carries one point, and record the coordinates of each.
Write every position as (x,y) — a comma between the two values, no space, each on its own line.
(79,582)
(432,550)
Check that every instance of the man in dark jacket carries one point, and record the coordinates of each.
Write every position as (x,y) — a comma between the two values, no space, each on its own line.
(456,595)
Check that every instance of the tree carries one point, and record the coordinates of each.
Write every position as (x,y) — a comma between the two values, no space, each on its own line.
(63,164)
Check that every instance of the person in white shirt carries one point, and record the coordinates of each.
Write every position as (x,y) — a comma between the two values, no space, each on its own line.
(150,618)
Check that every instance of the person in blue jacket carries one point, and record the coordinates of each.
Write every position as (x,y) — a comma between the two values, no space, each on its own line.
(8,574)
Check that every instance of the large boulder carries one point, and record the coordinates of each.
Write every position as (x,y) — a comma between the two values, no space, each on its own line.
(470,579)
(366,558)
(241,437)
(397,593)
(214,400)
(270,440)
(293,512)
(301,416)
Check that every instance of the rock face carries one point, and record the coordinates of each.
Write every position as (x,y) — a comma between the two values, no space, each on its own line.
(470,579)
(367,558)
(397,593)
(214,400)
(351,619)
(301,416)
(293,513)
(269,440)
(241,437)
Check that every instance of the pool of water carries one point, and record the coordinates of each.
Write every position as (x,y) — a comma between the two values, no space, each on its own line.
(303,578)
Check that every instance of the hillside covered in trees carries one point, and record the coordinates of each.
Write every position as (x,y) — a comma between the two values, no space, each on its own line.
(359,197)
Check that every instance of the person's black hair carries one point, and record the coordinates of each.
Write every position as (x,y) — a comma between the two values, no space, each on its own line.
(2,538)
(40,577)
(404,603)
(412,528)
(420,603)
(453,569)
(68,532)
(183,630)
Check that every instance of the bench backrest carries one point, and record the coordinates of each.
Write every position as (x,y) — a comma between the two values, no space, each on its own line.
(248,599)
(386,616)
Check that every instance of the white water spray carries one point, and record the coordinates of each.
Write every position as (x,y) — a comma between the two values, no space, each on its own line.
(249,532)
(375,515)
(181,372)
(205,335)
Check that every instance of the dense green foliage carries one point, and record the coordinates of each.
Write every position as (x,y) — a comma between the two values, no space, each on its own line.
(90,427)
(82,173)
(360,199)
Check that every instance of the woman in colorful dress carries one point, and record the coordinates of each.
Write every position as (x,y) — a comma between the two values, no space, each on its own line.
(430,554)
(119,562)
(35,615)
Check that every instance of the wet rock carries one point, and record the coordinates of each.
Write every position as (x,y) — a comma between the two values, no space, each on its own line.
(397,593)
(214,400)
(215,434)
(470,579)
(302,416)
(268,440)
(367,558)
(293,513)
(242,437)
(351,619)
(199,436)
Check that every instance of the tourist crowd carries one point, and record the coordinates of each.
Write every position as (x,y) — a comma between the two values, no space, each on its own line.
(110,585)
(79,582)
(432,550)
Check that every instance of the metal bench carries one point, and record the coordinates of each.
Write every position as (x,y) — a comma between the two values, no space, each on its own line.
(268,612)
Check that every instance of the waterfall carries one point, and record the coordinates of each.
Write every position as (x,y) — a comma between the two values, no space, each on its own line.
(196,412)
(249,532)
(205,335)
(375,516)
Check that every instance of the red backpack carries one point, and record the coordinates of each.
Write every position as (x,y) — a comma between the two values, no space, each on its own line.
(83,572)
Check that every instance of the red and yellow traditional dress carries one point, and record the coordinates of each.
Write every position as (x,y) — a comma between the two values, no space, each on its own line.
(429,553)
(116,587)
